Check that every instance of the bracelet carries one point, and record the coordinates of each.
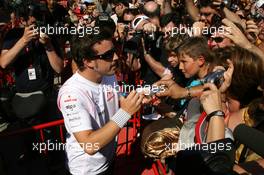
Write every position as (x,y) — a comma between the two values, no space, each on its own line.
(189,92)
(48,48)
(258,42)
(218,113)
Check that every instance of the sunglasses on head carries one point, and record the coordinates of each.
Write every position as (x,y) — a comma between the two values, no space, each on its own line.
(107,55)
(217,39)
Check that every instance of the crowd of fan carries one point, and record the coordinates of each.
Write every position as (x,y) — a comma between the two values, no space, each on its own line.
(175,43)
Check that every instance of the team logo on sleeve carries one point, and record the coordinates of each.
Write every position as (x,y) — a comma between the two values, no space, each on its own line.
(70,99)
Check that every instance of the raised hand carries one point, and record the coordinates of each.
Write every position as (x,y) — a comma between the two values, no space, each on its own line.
(29,34)
(227,77)
(211,98)
(132,102)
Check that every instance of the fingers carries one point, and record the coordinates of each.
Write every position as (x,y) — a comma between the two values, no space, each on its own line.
(140,100)
(132,103)
(230,66)
(131,95)
(30,27)
(135,98)
(218,67)
(228,23)
(228,74)
(121,98)
(163,94)
(252,27)
(210,86)
(30,32)
(211,99)
(166,83)
(251,23)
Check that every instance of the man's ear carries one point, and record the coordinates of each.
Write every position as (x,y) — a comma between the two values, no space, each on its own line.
(89,63)
(200,61)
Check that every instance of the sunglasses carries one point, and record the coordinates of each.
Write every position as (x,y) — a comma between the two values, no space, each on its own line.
(89,4)
(205,14)
(127,22)
(217,39)
(107,55)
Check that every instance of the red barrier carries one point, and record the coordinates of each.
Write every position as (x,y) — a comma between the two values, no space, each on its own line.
(34,128)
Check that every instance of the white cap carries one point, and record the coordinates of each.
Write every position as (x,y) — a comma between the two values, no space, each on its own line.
(138,20)
(259,3)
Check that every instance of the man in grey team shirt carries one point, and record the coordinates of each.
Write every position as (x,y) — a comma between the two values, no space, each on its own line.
(91,109)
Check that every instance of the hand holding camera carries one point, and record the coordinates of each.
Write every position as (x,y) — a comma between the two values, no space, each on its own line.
(211,99)
(29,34)
(43,38)
(252,30)
(149,27)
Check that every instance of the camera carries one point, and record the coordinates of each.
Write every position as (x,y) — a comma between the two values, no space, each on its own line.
(134,44)
(151,41)
(257,13)
(216,77)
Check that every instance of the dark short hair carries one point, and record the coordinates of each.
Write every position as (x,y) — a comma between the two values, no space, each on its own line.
(175,41)
(134,12)
(170,17)
(205,3)
(81,47)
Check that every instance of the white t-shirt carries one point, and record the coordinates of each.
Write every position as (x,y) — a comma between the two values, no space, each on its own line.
(86,105)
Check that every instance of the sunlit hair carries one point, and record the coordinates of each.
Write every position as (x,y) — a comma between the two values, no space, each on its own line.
(196,47)
(248,73)
(175,41)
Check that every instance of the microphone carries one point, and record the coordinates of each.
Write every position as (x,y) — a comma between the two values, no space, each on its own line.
(250,137)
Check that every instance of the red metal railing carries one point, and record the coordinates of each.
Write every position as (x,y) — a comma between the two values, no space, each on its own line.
(36,128)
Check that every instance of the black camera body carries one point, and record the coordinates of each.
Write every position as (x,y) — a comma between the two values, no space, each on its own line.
(151,40)
(216,77)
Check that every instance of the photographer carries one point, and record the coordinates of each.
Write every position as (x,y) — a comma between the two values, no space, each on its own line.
(35,57)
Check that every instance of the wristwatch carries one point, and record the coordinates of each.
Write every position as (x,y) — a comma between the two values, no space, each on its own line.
(218,113)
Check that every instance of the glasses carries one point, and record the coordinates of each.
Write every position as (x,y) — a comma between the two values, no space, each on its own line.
(89,4)
(107,55)
(205,14)
(217,39)
(126,22)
